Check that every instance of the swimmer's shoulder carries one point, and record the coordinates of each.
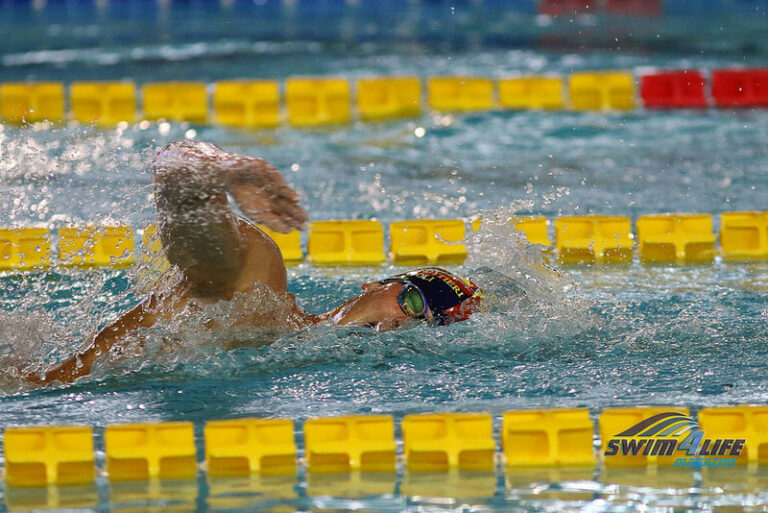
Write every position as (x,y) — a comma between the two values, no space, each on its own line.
(263,259)
(255,235)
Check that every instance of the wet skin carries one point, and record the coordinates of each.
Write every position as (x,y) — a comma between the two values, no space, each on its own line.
(377,308)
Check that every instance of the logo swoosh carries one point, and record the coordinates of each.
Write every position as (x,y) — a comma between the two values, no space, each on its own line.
(651,421)
(675,423)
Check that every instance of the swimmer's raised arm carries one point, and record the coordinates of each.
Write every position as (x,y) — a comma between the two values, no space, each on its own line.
(199,231)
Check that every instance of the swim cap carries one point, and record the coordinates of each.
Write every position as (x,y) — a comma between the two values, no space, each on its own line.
(450,298)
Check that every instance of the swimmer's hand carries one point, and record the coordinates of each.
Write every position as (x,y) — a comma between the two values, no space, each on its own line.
(33,378)
(264,197)
(65,372)
(191,173)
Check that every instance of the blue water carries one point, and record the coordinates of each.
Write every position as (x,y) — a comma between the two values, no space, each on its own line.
(593,337)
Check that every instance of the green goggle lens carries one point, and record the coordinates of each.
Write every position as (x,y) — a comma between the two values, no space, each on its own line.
(412,302)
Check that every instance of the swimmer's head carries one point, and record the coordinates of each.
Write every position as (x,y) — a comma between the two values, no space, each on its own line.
(437,295)
(432,294)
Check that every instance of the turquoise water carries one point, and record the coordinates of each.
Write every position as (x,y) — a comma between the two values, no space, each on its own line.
(593,337)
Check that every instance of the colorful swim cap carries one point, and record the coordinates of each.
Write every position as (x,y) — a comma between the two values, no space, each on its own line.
(450,298)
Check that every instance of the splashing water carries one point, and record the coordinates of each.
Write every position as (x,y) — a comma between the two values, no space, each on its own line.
(220,339)
(233,346)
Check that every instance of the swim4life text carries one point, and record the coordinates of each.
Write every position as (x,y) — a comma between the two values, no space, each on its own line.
(702,452)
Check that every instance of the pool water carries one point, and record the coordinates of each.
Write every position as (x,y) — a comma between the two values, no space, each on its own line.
(589,337)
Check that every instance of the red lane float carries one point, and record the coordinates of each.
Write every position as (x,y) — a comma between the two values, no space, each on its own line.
(557,7)
(620,7)
(634,7)
(740,88)
(673,89)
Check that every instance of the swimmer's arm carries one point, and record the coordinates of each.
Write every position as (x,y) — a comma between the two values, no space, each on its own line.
(200,233)
(80,364)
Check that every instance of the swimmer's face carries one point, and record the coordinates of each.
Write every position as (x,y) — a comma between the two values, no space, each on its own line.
(377,307)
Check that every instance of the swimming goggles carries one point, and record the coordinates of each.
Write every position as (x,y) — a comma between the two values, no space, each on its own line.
(412,301)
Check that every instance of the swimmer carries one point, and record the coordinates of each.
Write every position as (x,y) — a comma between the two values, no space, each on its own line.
(220,255)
